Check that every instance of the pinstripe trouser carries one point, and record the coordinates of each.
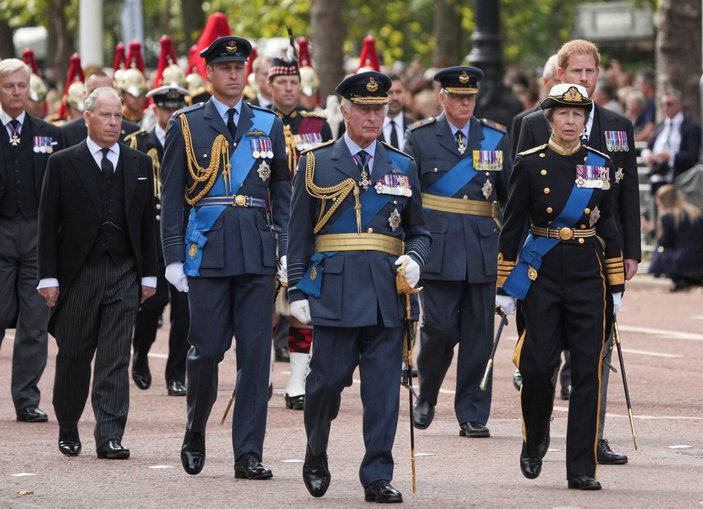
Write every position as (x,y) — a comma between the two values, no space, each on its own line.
(96,317)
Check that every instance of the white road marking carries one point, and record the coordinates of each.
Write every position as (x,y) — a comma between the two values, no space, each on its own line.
(293,461)
(418,454)
(653,354)
(680,446)
(666,333)
(644,417)
(160,467)
(23,474)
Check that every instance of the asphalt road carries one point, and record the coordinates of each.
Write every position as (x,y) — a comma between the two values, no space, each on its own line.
(662,335)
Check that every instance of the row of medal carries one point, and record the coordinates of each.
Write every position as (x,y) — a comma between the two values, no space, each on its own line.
(488,160)
(616,141)
(592,177)
(307,141)
(43,144)
(262,148)
(396,185)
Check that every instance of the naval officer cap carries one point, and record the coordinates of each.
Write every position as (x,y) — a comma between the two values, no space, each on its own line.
(567,94)
(459,79)
(169,96)
(368,87)
(227,49)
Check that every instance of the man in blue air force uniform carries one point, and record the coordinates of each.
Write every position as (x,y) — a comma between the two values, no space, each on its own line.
(464,167)
(226,161)
(356,215)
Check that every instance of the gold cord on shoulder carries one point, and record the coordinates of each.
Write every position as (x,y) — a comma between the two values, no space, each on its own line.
(290,148)
(336,193)
(219,153)
(156,167)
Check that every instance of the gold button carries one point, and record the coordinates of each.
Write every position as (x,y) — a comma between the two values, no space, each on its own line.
(158,217)
(370,230)
(550,210)
(581,241)
(587,210)
(465,197)
(542,154)
(583,226)
(158,206)
(234,144)
(548,223)
(543,172)
(546,190)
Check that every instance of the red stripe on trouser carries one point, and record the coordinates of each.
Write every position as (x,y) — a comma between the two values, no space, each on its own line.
(299,339)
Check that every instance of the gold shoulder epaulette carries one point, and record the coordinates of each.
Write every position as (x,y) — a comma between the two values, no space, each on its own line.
(422,123)
(532,150)
(188,109)
(391,147)
(597,152)
(312,114)
(324,144)
(131,138)
(494,125)
(259,108)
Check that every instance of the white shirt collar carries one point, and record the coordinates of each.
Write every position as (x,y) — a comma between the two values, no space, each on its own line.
(222,109)
(5,118)
(160,134)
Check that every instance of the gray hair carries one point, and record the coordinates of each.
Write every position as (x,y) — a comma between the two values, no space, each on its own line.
(10,65)
(550,68)
(92,99)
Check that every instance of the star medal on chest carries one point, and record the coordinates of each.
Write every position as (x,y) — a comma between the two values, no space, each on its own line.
(394,220)
(487,189)
(619,175)
(264,171)
(595,215)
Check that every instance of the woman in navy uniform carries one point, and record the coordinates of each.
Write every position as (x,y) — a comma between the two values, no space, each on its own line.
(356,215)
(568,279)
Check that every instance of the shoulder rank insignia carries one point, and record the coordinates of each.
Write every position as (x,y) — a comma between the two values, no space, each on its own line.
(532,150)
(391,147)
(312,114)
(494,125)
(326,143)
(131,139)
(422,123)
(598,152)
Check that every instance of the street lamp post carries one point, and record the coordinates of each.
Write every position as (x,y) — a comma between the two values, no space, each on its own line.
(495,101)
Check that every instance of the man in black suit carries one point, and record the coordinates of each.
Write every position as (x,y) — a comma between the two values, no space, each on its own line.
(167,99)
(97,261)
(606,131)
(675,145)
(396,121)
(74,131)
(25,145)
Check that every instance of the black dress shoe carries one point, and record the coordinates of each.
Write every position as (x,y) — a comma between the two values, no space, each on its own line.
(544,446)
(423,413)
(177,388)
(295,402)
(382,492)
(316,474)
(565,392)
(474,430)
(607,457)
(249,466)
(69,446)
(113,450)
(32,414)
(282,355)
(140,371)
(193,452)
(583,482)
(531,466)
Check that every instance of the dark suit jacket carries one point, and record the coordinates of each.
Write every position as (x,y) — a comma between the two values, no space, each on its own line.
(70,213)
(689,150)
(35,127)
(407,122)
(625,191)
(516,126)
(241,240)
(74,131)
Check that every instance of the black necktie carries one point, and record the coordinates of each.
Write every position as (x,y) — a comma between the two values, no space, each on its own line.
(362,162)
(230,122)
(394,135)
(106,164)
(460,142)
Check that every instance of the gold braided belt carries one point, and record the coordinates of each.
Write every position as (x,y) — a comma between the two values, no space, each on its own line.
(359,242)
(459,205)
(564,233)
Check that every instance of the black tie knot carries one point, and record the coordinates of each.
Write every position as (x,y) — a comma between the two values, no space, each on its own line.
(106,164)
(394,135)
(230,121)
(363,157)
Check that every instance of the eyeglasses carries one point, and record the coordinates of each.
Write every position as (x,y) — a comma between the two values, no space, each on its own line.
(668,103)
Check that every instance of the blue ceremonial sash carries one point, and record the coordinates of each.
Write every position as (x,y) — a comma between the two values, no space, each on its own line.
(463,172)
(371,204)
(201,219)
(518,282)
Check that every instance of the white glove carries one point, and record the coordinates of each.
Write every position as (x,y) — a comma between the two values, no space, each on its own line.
(412,269)
(176,276)
(617,302)
(506,303)
(300,310)
(283,270)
